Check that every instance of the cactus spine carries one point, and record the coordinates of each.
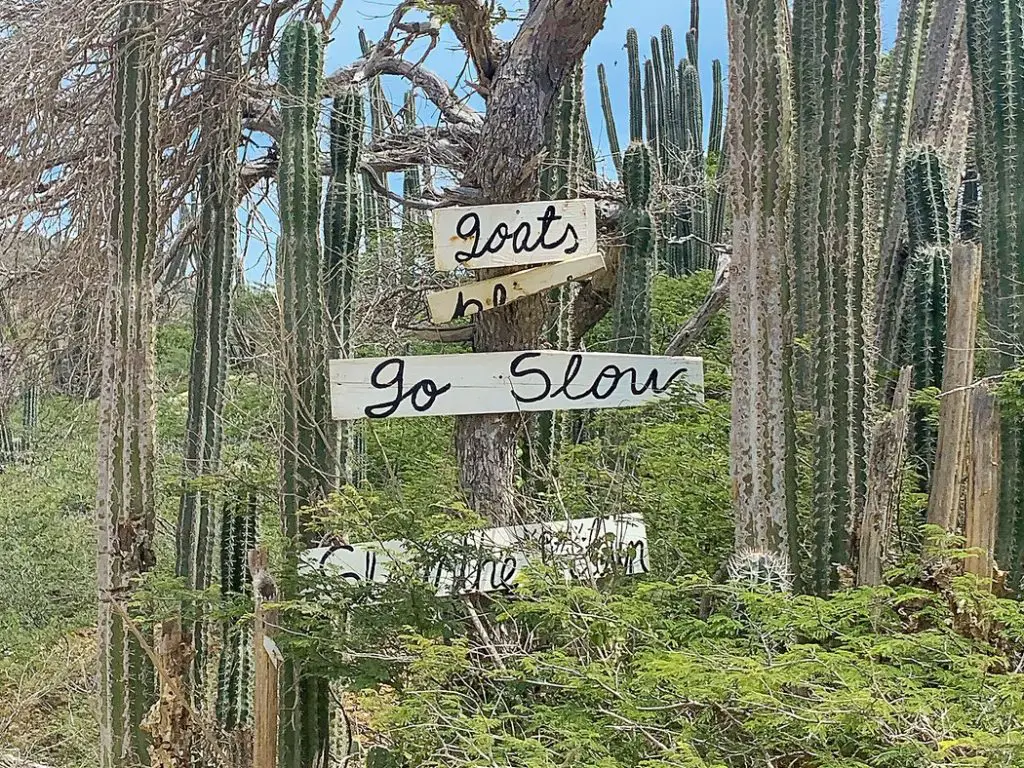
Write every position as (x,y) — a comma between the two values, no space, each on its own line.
(234,679)
(760,135)
(996,53)
(211,316)
(125,502)
(632,318)
(341,253)
(835,56)
(306,458)
(924,299)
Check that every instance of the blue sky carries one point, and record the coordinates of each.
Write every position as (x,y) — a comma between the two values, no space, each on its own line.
(646,16)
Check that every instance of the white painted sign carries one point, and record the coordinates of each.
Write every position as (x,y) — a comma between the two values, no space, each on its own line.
(471,298)
(516,234)
(504,382)
(491,560)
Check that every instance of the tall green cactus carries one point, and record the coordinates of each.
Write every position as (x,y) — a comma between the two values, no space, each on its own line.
(614,148)
(306,457)
(568,167)
(342,225)
(632,318)
(666,95)
(125,502)
(377,218)
(760,136)
(235,673)
(211,317)
(835,47)
(996,50)
(7,448)
(924,295)
(29,414)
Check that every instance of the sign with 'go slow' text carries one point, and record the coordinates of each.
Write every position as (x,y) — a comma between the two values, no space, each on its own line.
(505,382)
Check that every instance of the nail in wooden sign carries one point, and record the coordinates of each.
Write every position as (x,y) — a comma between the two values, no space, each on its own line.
(468,299)
(505,382)
(516,234)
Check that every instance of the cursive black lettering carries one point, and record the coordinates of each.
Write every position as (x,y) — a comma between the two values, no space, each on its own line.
(427,388)
(464,306)
(468,226)
(516,372)
(522,238)
(500,295)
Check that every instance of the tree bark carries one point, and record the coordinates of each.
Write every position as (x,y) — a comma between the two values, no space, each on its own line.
(694,328)
(961,328)
(983,483)
(885,463)
(549,43)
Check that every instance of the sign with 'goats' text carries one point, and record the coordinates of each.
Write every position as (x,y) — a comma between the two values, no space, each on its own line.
(504,382)
(492,560)
(515,234)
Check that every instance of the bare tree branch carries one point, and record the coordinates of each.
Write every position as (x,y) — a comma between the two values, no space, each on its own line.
(695,327)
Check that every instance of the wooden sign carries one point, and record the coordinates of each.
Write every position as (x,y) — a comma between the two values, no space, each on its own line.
(504,382)
(516,234)
(471,298)
(492,560)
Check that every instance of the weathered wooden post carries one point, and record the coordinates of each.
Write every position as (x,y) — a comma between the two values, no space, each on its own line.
(983,483)
(885,462)
(267,660)
(954,410)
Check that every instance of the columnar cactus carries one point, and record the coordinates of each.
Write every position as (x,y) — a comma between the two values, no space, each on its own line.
(377,219)
(632,318)
(835,58)
(234,679)
(342,224)
(29,414)
(668,98)
(927,101)
(126,505)
(568,166)
(752,568)
(997,67)
(609,120)
(307,457)
(924,295)
(7,448)
(215,257)
(760,136)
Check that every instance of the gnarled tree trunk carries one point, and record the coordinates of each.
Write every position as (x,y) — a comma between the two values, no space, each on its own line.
(549,43)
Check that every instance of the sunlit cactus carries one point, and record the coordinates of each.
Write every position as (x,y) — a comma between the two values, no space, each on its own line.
(126,502)
(342,228)
(234,679)
(632,312)
(307,457)
(760,569)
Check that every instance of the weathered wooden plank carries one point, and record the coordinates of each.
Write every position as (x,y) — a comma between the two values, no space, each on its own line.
(511,235)
(465,300)
(954,407)
(492,559)
(982,482)
(504,382)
